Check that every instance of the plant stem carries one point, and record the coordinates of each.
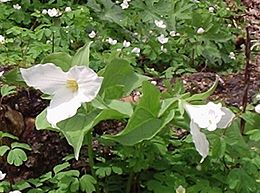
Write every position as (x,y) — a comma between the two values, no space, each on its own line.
(129,182)
(91,158)
(247,79)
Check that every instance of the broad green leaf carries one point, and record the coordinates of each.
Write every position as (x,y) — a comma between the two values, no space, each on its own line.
(119,72)
(63,60)
(122,107)
(3,149)
(81,58)
(150,100)
(218,148)
(204,95)
(107,114)
(141,126)
(41,121)
(165,105)
(114,92)
(16,156)
(87,183)
(74,129)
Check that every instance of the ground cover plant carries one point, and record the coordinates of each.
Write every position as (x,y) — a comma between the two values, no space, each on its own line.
(94,97)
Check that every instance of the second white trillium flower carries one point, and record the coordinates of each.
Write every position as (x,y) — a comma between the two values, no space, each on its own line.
(210,116)
(68,89)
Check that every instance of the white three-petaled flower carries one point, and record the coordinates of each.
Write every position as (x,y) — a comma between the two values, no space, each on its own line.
(160,24)
(15,191)
(162,39)
(210,116)
(2,175)
(68,89)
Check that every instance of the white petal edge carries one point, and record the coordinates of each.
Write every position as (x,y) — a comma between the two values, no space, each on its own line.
(63,106)
(46,77)
(226,119)
(200,140)
(2,175)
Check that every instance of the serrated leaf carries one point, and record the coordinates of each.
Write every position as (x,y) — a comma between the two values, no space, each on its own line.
(3,149)
(21,145)
(87,183)
(16,157)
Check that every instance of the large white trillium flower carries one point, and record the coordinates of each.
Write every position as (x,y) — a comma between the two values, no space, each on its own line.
(210,116)
(68,89)
(2,175)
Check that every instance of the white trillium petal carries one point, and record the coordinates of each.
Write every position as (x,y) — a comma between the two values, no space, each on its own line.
(89,83)
(226,118)
(2,73)
(63,106)
(200,140)
(2,175)
(46,77)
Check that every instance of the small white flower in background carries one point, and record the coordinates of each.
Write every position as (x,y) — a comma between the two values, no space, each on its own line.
(232,56)
(229,25)
(180,189)
(160,24)
(54,12)
(135,34)
(162,39)
(257,108)
(117,2)
(48,42)
(2,39)
(68,89)
(126,44)
(257,97)
(200,30)
(1,74)
(154,82)
(2,175)
(17,6)
(111,41)
(15,191)
(172,33)
(3,1)
(118,49)
(163,49)
(210,116)
(211,9)
(136,50)
(68,9)
(125,4)
(44,11)
(92,34)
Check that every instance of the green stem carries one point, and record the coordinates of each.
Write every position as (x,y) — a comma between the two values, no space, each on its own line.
(129,182)
(91,158)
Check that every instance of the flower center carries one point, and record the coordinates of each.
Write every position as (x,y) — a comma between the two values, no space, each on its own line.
(72,85)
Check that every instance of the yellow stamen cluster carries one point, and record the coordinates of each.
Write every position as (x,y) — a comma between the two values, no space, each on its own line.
(72,85)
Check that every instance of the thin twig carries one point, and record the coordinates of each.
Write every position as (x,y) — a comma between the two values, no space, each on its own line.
(247,79)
